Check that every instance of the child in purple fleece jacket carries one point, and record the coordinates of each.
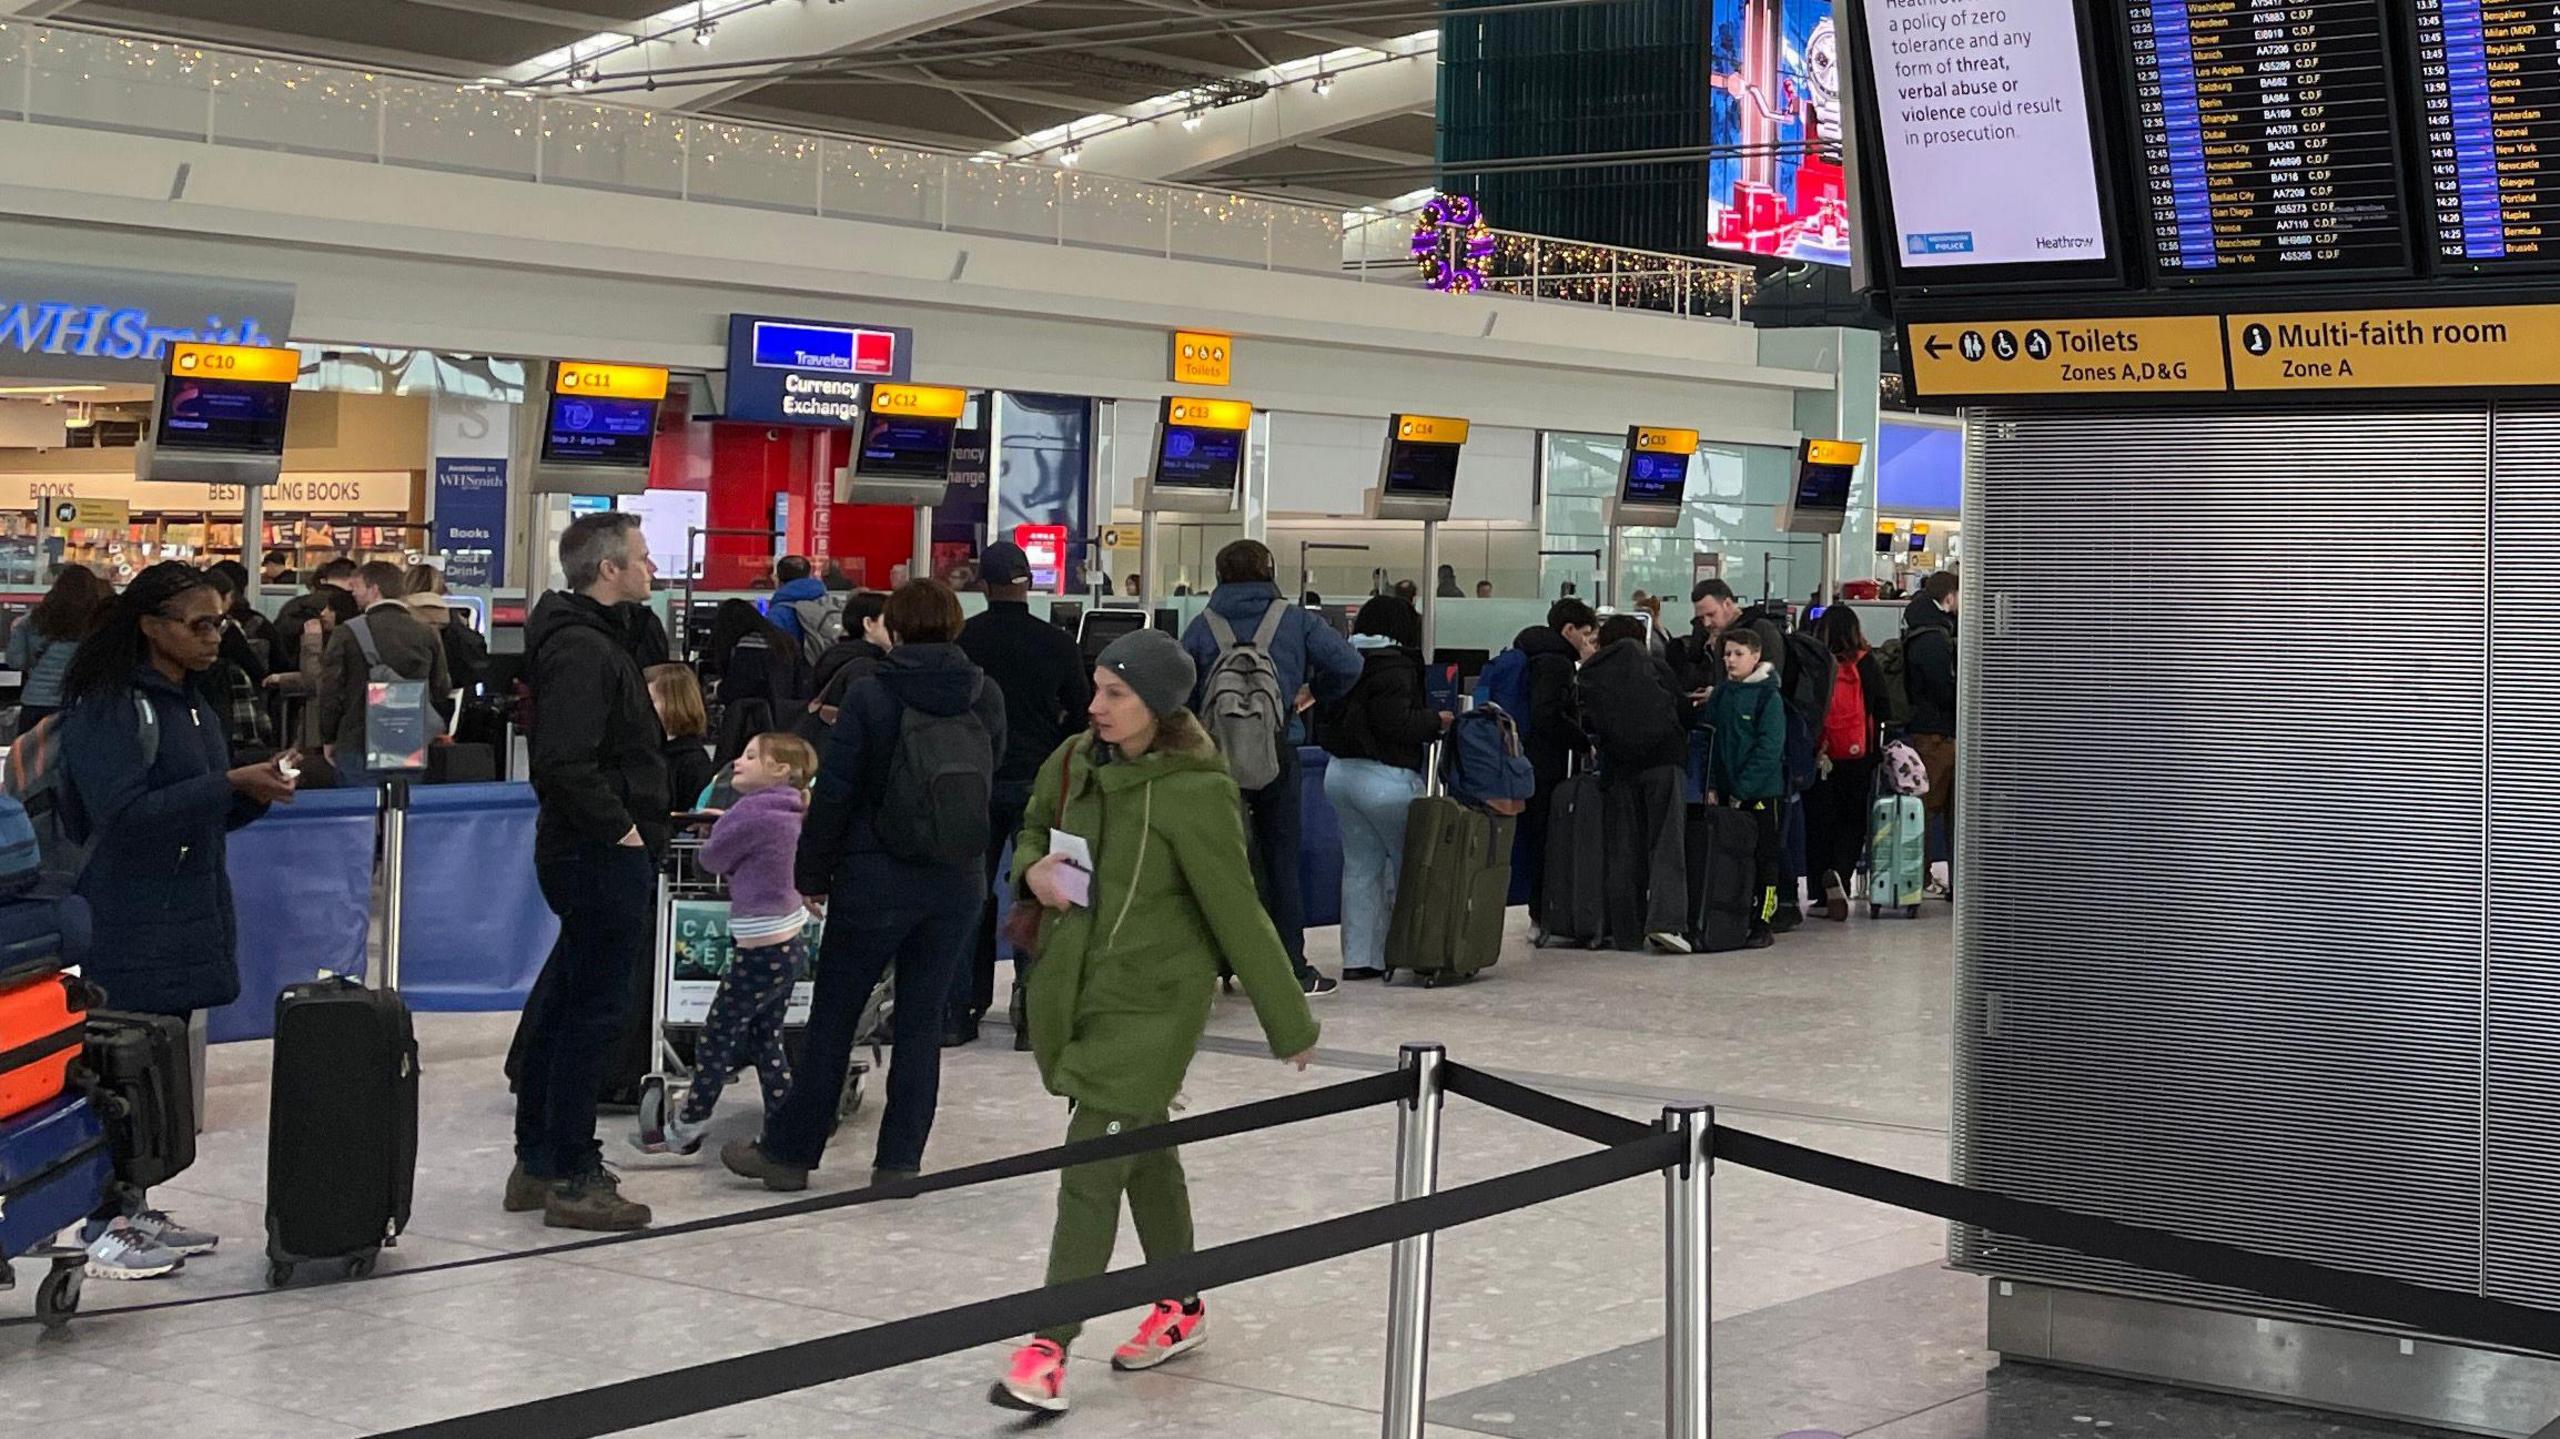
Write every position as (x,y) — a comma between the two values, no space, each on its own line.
(753,845)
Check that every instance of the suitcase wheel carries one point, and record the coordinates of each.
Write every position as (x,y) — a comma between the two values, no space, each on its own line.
(851,1103)
(279,1274)
(1875,911)
(362,1265)
(58,1296)
(1911,911)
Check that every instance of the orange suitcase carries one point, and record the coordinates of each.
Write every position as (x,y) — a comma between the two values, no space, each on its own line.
(41,1031)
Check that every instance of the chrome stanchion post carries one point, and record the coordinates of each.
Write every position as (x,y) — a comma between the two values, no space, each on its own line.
(1688,1368)
(395,843)
(1409,1275)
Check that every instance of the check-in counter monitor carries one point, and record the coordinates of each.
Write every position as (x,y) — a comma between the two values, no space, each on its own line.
(220,415)
(1100,627)
(599,424)
(1819,503)
(902,452)
(1653,478)
(1199,458)
(1419,476)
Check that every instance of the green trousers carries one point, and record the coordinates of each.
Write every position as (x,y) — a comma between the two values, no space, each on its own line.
(1089,1206)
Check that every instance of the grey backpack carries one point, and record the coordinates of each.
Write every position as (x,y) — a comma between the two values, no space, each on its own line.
(1242,707)
(821,623)
(375,669)
(942,778)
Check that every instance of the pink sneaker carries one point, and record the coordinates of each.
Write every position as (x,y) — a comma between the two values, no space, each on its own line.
(1170,1331)
(1036,1381)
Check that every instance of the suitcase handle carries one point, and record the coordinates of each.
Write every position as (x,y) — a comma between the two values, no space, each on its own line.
(1433,786)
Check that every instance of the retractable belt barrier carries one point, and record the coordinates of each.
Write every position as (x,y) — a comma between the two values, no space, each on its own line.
(2351,1293)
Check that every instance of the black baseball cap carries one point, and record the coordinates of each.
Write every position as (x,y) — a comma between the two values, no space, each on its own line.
(1004,563)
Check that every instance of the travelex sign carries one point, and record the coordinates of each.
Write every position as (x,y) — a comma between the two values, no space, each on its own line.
(809,372)
(75,322)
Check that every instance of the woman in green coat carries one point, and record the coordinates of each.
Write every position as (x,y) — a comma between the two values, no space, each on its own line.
(1128,961)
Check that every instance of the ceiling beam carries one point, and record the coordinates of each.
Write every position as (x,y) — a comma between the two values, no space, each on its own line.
(34,9)
(1372,153)
(551,15)
(772,34)
(1292,113)
(247,37)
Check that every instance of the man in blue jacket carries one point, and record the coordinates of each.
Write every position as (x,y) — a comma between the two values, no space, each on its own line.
(795,584)
(1309,657)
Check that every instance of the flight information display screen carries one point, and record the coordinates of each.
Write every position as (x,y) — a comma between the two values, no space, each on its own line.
(1416,469)
(222,415)
(905,446)
(2266,138)
(1655,478)
(2489,105)
(1194,457)
(600,430)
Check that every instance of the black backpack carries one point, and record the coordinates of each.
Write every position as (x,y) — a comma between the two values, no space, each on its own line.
(942,775)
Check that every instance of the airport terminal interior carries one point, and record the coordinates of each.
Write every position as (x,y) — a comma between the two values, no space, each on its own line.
(1916,631)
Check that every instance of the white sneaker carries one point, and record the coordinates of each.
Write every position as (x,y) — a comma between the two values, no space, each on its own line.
(1669,941)
(124,1253)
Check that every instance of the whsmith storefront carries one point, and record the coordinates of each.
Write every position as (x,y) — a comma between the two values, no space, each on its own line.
(80,355)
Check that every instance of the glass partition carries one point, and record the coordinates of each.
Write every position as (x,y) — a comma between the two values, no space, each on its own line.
(1729,526)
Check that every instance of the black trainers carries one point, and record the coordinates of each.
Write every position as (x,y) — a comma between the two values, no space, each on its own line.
(1788,917)
(1318,985)
(959,1030)
(593,1200)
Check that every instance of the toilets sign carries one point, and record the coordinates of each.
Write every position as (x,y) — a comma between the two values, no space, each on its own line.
(75,322)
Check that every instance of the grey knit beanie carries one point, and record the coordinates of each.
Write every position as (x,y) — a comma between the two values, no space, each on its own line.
(1152,663)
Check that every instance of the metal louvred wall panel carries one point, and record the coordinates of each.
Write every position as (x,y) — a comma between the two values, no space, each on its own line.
(2220,832)
(2521,1260)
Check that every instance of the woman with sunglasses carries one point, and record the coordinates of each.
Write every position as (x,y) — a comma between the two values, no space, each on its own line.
(153,791)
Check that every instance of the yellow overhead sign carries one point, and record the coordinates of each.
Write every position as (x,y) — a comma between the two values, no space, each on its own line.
(2155,355)
(932,402)
(79,514)
(612,382)
(1203,358)
(1653,440)
(1833,452)
(235,362)
(1209,414)
(1430,430)
(2488,347)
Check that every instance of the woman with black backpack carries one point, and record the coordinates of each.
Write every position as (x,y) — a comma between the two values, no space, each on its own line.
(896,837)
(1379,737)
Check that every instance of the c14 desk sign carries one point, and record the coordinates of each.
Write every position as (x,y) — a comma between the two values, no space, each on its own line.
(810,372)
(2154,355)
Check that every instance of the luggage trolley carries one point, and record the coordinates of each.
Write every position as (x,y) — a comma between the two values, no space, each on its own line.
(692,953)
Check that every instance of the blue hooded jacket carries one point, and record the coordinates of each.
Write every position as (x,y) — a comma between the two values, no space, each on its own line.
(1305,651)
(159,895)
(778,609)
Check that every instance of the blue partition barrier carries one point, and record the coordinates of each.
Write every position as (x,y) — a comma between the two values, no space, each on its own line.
(1319,841)
(302,884)
(474,929)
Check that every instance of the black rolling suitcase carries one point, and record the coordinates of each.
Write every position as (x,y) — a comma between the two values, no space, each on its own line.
(342,1122)
(1574,907)
(1723,858)
(140,1070)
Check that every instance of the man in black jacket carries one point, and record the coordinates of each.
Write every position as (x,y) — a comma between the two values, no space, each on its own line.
(1632,706)
(399,641)
(1046,689)
(1555,724)
(302,609)
(600,775)
(1929,676)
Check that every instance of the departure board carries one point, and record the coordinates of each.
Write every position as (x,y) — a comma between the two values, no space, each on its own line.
(2489,87)
(2266,133)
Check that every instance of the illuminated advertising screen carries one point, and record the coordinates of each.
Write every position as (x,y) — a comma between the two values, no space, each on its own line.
(1774,185)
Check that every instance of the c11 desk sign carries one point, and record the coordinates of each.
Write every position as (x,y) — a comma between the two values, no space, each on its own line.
(221,415)
(810,372)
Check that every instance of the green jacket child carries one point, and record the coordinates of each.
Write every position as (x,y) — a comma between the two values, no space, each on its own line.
(1120,994)
(1750,724)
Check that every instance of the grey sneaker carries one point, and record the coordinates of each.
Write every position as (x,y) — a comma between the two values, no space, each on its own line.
(593,1200)
(123,1253)
(156,1226)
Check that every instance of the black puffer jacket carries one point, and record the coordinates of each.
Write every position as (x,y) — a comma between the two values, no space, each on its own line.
(1929,666)
(1555,714)
(598,754)
(1632,706)
(1387,717)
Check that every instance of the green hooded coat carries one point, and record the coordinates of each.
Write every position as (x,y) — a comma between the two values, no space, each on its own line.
(1121,991)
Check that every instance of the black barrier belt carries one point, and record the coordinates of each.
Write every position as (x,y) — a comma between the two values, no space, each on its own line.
(1539,1107)
(675,1394)
(2364,1296)
(1333,1099)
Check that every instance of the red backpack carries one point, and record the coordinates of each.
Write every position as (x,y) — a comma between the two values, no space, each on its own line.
(1844,725)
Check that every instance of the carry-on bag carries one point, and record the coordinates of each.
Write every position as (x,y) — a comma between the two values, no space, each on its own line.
(55,1172)
(40,934)
(1897,854)
(1452,888)
(40,1037)
(141,1072)
(1723,856)
(1574,909)
(342,1120)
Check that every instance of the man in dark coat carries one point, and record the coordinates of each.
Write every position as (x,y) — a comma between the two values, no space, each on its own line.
(1929,677)
(1555,731)
(400,640)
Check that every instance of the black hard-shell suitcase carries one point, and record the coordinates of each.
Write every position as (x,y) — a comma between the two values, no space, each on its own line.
(1574,908)
(141,1071)
(1723,858)
(342,1128)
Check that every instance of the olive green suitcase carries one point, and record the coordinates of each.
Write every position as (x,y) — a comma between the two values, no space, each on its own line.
(1451,890)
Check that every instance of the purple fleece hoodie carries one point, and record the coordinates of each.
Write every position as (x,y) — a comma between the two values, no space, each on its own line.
(753,844)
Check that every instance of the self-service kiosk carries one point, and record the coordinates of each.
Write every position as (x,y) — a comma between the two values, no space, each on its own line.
(219,419)
(1418,480)
(902,456)
(1653,485)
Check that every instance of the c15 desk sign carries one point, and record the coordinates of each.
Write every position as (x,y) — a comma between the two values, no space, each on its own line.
(810,372)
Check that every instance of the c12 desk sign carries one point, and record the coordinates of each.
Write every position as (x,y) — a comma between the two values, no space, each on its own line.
(810,372)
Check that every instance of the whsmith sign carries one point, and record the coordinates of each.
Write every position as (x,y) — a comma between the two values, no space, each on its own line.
(71,322)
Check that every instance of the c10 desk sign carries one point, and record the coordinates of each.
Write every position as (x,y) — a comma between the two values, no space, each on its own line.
(810,372)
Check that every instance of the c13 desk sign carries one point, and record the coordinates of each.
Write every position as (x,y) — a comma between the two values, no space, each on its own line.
(2490,347)
(2155,355)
